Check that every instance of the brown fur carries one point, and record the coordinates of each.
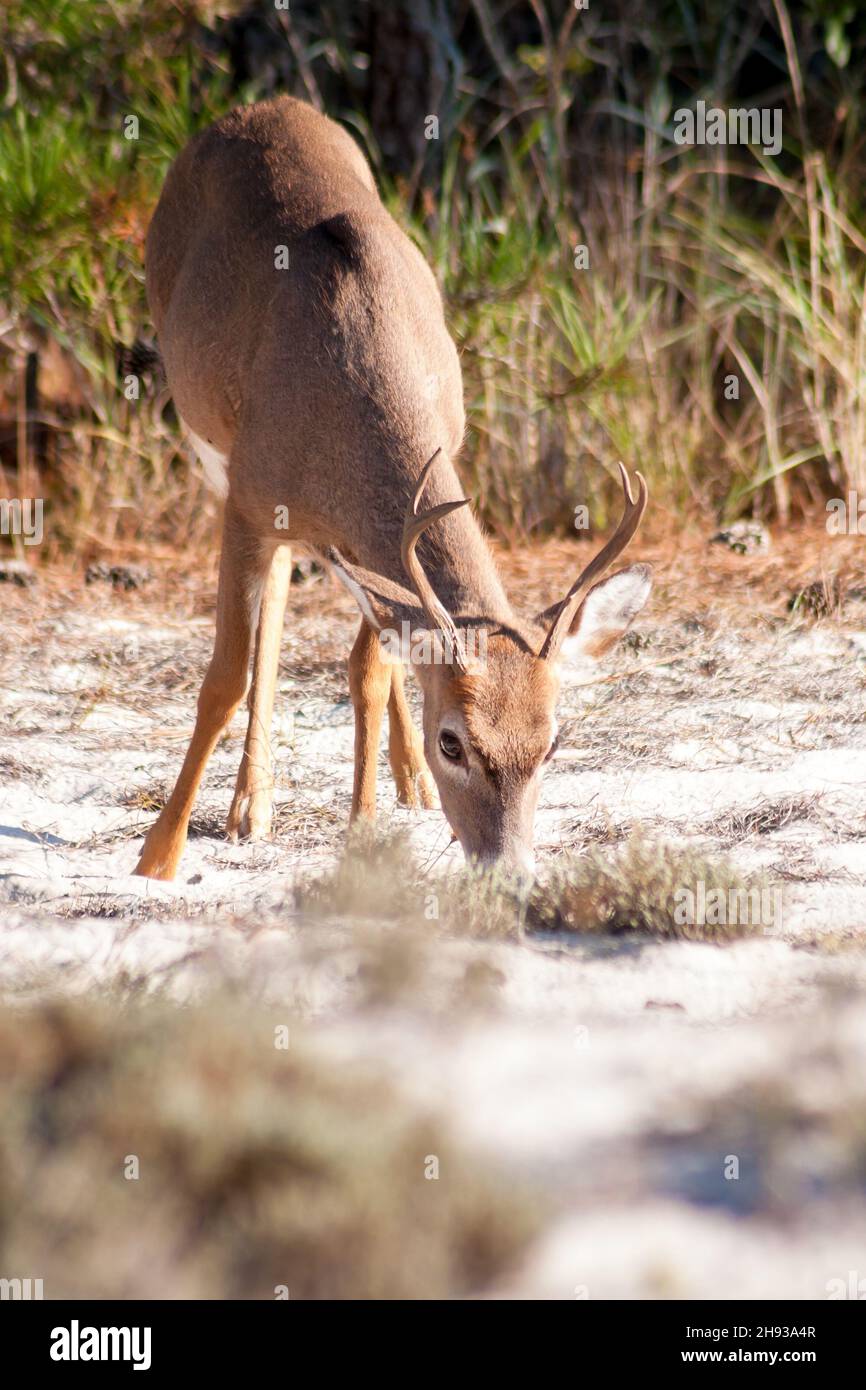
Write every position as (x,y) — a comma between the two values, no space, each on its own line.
(507,708)
(328,385)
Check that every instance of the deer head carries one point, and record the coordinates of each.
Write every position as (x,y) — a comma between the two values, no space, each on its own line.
(490,687)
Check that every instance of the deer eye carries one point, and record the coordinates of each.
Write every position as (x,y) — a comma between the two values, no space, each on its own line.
(450,745)
(552,749)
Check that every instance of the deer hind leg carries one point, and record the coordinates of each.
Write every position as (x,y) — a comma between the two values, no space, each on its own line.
(412,776)
(370,687)
(243,566)
(250,813)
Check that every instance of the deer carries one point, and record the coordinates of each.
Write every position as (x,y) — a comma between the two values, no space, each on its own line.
(304,340)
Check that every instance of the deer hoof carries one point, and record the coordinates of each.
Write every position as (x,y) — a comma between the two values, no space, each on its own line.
(249,817)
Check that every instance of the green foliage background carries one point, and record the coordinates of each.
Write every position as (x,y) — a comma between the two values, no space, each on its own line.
(555,131)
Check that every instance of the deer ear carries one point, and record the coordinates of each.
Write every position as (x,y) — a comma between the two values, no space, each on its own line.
(382,602)
(607,612)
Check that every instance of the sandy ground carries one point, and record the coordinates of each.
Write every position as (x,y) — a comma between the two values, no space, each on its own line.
(626,1076)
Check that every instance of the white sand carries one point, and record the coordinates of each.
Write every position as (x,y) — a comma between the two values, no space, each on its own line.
(586,1052)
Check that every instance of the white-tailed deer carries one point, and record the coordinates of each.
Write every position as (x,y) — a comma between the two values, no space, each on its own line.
(305,346)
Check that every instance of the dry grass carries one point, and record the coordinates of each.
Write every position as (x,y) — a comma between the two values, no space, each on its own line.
(764,818)
(257,1167)
(717,649)
(120,907)
(376,878)
(637,889)
(379,880)
(631,889)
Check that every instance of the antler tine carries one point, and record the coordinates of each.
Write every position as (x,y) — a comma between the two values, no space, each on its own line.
(414,526)
(422,481)
(631,517)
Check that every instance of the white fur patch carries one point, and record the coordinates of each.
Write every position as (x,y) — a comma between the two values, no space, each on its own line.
(356,591)
(214,463)
(608,611)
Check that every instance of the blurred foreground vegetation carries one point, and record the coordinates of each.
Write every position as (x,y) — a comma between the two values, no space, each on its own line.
(556,131)
(219,1149)
(149,1151)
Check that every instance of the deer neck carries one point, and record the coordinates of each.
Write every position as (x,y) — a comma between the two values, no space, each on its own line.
(454,553)
(462,570)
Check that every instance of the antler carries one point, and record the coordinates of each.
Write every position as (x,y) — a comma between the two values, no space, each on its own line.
(413,528)
(634,510)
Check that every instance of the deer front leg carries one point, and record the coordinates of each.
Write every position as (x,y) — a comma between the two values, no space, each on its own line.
(370,686)
(243,565)
(250,813)
(406,749)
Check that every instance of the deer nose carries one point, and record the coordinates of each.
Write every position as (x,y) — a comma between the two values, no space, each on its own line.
(523,861)
(517,860)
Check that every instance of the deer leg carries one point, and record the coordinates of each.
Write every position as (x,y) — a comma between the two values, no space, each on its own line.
(243,566)
(370,686)
(250,813)
(406,749)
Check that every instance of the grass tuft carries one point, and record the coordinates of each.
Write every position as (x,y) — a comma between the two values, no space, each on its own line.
(257,1166)
(641,888)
